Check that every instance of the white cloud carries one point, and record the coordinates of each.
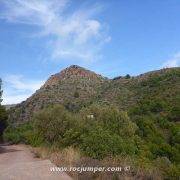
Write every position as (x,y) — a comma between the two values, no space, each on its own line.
(17,88)
(17,82)
(73,35)
(173,62)
(14,99)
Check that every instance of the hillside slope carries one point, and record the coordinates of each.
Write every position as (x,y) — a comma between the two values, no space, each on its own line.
(145,133)
(75,87)
(163,84)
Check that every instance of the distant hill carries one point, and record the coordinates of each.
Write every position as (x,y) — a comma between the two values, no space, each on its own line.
(75,87)
(8,106)
(162,84)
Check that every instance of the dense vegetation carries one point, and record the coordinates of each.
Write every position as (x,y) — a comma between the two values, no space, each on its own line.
(136,118)
(109,132)
(3,115)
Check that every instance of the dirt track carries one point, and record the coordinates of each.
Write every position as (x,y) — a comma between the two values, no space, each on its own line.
(18,163)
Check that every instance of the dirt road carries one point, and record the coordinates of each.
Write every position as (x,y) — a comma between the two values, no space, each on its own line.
(18,163)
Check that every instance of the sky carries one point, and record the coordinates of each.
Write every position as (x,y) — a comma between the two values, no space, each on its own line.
(39,38)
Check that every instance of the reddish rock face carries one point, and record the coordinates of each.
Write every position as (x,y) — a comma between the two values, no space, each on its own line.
(73,71)
(78,71)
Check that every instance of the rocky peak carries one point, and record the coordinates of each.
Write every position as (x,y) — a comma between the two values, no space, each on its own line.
(75,70)
(71,72)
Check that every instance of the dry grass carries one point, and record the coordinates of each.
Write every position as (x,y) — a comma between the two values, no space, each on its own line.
(71,157)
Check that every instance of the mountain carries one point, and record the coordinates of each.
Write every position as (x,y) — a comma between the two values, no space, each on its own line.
(162,84)
(145,134)
(75,87)
(8,106)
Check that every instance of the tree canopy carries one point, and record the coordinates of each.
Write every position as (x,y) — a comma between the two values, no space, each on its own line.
(3,114)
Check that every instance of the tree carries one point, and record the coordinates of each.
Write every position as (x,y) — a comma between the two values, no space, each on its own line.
(0,91)
(76,94)
(3,114)
(52,123)
(127,76)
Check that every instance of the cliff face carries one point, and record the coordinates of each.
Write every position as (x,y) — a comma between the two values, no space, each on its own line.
(75,87)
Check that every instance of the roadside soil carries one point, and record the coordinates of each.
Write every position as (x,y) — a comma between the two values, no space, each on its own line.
(17,162)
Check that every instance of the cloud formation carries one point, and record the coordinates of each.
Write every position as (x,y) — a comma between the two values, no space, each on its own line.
(14,99)
(17,82)
(17,88)
(173,62)
(73,34)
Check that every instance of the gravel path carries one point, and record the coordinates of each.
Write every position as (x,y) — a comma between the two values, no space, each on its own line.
(18,163)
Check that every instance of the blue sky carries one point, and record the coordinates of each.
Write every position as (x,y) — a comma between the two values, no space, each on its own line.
(111,37)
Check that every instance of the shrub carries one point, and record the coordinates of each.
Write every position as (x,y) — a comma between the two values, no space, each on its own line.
(127,76)
(18,134)
(174,113)
(10,134)
(3,119)
(52,123)
(168,169)
(99,143)
(76,94)
(33,138)
(111,119)
(105,133)
(23,133)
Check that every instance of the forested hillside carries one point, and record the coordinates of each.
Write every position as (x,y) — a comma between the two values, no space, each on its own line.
(136,118)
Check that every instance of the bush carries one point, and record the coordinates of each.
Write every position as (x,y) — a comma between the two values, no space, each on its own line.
(101,131)
(33,139)
(107,132)
(127,76)
(174,113)
(3,119)
(111,119)
(168,169)
(99,143)
(76,94)
(17,134)
(52,123)
(11,134)
(23,133)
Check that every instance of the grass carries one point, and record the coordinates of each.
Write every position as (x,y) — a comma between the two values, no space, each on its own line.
(71,157)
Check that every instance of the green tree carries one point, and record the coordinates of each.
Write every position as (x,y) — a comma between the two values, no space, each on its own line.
(3,114)
(52,123)
(127,76)
(110,118)
(76,94)
(0,91)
